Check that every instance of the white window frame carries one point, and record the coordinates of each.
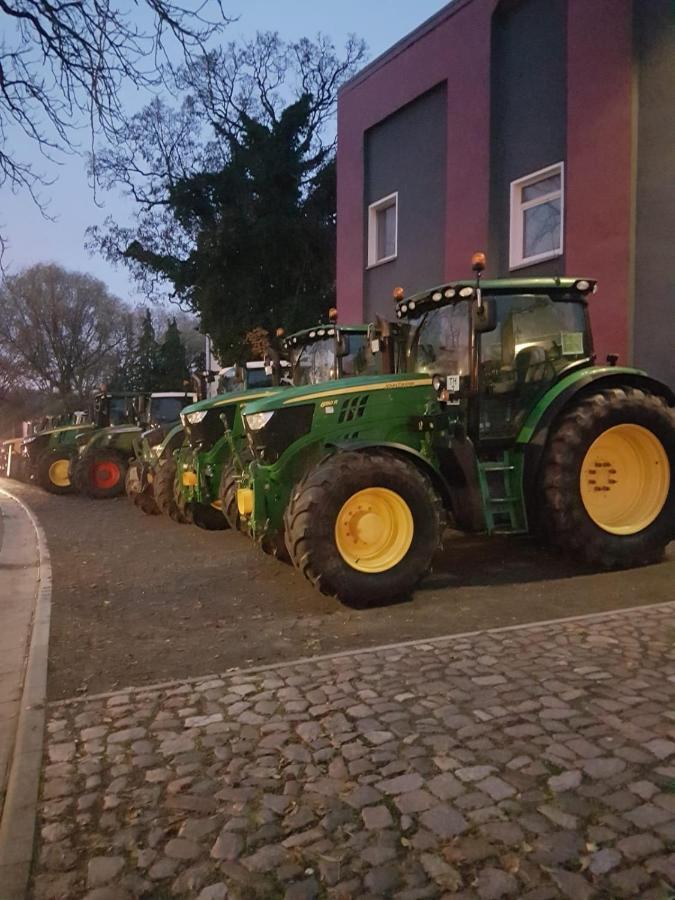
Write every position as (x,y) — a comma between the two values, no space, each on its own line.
(373,210)
(518,208)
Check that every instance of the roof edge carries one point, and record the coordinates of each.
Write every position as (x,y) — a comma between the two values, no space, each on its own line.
(404,43)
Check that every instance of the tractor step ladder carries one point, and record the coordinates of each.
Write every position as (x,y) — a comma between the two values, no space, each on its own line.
(503,502)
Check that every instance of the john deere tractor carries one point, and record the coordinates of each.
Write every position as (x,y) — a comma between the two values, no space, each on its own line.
(47,452)
(100,466)
(195,449)
(214,454)
(501,421)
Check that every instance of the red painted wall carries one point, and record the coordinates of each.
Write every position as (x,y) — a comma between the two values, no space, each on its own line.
(598,224)
(598,165)
(456,51)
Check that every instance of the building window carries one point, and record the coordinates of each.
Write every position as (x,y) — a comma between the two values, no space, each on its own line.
(383,230)
(537,216)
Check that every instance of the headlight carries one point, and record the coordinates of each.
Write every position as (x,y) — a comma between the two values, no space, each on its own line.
(256,421)
(195,417)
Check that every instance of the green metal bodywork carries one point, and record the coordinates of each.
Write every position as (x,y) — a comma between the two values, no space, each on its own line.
(473,438)
(199,463)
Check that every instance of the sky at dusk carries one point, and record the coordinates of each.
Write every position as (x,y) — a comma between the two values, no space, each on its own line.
(32,238)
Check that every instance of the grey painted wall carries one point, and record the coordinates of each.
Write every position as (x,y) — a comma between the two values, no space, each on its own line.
(407,153)
(528,111)
(654,308)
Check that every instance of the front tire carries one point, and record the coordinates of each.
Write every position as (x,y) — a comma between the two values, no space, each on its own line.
(364,526)
(53,472)
(607,488)
(163,477)
(209,518)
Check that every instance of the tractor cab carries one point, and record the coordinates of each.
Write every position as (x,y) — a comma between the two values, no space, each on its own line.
(493,348)
(113,409)
(164,408)
(328,352)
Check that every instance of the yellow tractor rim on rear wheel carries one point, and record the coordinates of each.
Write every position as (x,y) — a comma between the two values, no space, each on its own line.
(625,479)
(374,530)
(58,473)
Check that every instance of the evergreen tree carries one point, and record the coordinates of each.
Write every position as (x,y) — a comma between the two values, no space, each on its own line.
(145,370)
(172,363)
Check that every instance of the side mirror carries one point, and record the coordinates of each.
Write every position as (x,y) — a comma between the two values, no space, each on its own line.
(485,316)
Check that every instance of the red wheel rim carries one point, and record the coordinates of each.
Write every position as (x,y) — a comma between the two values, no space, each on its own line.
(106,475)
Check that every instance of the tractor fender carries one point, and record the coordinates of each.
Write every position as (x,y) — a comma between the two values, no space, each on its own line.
(533,436)
(439,481)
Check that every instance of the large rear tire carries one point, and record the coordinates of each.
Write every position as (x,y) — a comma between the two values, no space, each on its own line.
(607,491)
(103,472)
(364,526)
(53,471)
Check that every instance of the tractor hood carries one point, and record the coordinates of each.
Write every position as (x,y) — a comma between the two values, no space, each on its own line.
(335,389)
(227,399)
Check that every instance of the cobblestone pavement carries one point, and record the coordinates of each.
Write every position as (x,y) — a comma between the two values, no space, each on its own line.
(531,763)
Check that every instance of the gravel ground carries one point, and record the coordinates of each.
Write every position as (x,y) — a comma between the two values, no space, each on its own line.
(139,600)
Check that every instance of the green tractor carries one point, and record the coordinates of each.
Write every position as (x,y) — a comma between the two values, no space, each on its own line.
(196,451)
(500,421)
(47,452)
(205,471)
(100,467)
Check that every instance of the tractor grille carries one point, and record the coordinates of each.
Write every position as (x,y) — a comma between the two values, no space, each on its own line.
(204,434)
(286,426)
(353,408)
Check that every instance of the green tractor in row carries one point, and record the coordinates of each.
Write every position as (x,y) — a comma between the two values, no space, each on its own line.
(46,453)
(153,484)
(499,420)
(98,468)
(198,482)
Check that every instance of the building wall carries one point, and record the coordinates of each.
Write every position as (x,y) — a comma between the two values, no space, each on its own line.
(417,171)
(654,303)
(598,228)
(528,111)
(452,50)
(560,76)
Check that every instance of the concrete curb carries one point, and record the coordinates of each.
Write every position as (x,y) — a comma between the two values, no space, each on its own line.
(17,829)
(139,690)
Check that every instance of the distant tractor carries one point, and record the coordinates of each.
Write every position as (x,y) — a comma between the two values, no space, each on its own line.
(47,452)
(100,467)
(501,422)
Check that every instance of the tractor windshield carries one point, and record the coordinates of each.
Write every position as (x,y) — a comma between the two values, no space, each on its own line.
(118,409)
(316,361)
(164,410)
(439,341)
(258,378)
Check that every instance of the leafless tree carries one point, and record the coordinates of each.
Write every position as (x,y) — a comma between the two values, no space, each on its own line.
(63,63)
(60,331)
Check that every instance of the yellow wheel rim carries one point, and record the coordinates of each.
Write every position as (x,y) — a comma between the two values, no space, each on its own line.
(625,479)
(374,530)
(58,473)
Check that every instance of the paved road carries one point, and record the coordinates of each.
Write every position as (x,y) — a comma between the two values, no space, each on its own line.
(139,600)
(533,763)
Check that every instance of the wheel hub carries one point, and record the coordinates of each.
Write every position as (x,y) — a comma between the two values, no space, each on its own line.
(106,475)
(374,530)
(58,473)
(625,479)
